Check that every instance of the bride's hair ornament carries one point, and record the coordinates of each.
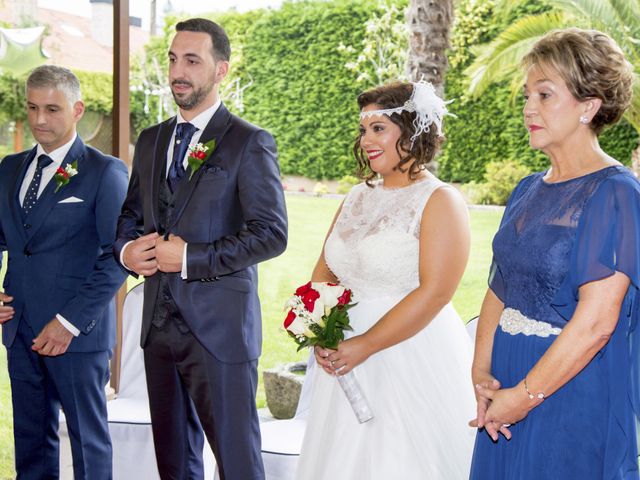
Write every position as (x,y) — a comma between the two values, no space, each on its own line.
(430,109)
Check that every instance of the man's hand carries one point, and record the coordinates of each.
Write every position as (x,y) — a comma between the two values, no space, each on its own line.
(140,255)
(169,254)
(6,311)
(54,339)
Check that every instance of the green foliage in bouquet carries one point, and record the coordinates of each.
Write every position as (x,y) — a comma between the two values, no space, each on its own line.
(333,332)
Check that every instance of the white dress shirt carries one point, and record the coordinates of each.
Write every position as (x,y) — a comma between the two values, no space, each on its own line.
(200,121)
(48,172)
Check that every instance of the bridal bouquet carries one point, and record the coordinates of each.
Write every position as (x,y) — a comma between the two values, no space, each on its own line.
(318,316)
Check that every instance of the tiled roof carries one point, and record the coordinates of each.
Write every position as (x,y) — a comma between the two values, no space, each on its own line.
(69,43)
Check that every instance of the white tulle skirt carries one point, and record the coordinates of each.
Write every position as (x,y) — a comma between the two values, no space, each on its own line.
(421,395)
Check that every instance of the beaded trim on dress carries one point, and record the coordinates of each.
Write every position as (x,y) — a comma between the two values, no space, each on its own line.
(513,322)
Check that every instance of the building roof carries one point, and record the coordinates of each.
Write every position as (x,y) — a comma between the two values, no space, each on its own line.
(69,42)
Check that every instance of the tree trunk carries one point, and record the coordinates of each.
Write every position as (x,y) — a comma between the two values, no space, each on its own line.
(429,24)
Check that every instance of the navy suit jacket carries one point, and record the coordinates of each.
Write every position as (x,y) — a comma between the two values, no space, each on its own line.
(231,213)
(61,254)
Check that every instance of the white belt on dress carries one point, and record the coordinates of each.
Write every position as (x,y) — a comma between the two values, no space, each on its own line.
(513,322)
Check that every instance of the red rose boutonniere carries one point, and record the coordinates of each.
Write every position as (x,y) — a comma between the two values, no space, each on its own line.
(198,154)
(64,175)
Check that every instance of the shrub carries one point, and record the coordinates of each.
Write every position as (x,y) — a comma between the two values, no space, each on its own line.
(476,193)
(346,183)
(320,189)
(500,180)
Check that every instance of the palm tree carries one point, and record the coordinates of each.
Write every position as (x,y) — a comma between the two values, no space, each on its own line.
(429,24)
(500,59)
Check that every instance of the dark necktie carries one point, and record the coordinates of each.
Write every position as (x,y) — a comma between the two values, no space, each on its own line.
(184,132)
(31,197)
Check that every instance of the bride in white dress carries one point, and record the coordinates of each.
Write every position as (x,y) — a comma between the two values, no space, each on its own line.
(401,244)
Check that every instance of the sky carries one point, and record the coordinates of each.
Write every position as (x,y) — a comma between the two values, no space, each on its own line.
(141,8)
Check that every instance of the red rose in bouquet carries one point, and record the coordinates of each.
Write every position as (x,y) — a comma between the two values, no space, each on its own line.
(318,316)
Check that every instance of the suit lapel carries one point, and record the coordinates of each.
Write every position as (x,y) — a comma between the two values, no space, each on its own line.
(215,129)
(49,196)
(14,191)
(159,167)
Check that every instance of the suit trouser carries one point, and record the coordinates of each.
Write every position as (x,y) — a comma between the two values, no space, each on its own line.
(39,386)
(185,380)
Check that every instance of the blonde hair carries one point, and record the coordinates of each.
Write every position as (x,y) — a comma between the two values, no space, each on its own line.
(592,65)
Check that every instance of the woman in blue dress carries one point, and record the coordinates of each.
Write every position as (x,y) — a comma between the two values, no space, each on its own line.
(558,342)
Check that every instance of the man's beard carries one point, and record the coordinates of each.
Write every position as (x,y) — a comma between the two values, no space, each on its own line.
(194,99)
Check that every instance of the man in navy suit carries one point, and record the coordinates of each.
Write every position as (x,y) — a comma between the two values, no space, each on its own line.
(59,204)
(196,229)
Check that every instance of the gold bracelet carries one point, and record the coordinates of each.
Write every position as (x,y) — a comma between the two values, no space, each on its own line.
(539,395)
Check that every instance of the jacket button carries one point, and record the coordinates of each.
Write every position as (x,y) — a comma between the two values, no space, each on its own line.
(27,226)
(27,253)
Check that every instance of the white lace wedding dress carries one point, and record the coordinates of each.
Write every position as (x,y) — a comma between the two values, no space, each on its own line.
(420,390)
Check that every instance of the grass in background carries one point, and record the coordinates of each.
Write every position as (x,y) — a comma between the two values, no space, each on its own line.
(468,298)
(309,220)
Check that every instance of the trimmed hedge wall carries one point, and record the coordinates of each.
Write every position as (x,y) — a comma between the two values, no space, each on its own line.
(302,92)
(491,127)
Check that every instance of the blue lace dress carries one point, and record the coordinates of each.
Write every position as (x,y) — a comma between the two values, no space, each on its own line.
(554,238)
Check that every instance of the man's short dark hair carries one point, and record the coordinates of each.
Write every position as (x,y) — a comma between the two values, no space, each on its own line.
(219,38)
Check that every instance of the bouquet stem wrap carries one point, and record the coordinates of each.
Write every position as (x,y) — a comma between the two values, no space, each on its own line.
(356,398)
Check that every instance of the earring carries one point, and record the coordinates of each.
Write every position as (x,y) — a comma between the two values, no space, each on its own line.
(584,120)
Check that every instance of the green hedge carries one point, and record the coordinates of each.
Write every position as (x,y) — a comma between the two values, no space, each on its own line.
(491,128)
(301,90)
(303,93)
(96,93)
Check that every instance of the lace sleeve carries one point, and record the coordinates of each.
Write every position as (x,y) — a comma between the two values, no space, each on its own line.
(496,280)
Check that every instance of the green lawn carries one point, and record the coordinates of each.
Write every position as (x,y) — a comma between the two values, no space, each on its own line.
(309,218)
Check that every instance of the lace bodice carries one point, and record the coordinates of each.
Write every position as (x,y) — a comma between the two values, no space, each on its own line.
(534,247)
(373,248)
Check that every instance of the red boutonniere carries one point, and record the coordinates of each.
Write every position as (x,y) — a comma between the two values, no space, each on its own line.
(198,154)
(64,175)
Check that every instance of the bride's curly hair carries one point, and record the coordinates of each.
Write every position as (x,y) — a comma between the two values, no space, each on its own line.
(425,146)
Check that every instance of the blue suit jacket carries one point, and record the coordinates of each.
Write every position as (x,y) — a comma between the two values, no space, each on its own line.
(232,214)
(61,254)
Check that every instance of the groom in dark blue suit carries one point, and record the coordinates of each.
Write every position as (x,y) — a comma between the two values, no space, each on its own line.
(59,203)
(196,228)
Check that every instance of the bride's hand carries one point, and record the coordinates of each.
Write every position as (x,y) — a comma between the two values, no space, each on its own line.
(350,354)
(322,359)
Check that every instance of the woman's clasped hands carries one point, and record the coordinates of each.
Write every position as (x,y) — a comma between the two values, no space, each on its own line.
(499,408)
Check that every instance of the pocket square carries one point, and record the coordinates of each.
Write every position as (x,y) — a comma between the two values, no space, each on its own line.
(71,200)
